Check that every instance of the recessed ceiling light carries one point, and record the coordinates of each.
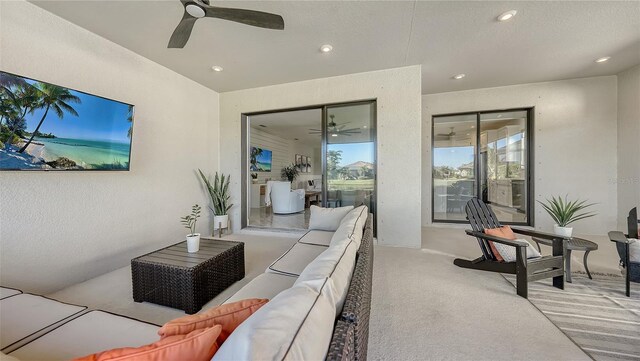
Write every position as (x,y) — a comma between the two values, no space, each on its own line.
(603,59)
(216,68)
(364,127)
(459,76)
(326,48)
(195,11)
(507,15)
(334,135)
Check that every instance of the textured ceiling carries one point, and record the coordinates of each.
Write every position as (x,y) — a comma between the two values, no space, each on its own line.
(544,41)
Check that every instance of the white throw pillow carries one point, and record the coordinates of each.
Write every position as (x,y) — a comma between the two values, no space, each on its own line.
(292,326)
(337,263)
(508,253)
(327,219)
(634,251)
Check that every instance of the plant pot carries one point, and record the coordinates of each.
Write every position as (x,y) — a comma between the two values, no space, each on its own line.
(562,231)
(224,220)
(193,243)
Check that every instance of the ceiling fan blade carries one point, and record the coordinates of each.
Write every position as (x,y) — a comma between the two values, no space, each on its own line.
(182,33)
(249,17)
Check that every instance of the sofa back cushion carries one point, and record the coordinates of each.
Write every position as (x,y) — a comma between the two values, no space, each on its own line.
(327,219)
(292,326)
(229,316)
(336,263)
(351,227)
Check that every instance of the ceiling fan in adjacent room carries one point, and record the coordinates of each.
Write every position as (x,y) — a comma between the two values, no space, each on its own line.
(446,136)
(333,129)
(196,9)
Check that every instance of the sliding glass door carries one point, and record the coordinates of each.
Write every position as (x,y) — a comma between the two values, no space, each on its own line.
(484,155)
(350,155)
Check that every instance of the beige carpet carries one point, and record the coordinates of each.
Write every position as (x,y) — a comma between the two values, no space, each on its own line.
(425,308)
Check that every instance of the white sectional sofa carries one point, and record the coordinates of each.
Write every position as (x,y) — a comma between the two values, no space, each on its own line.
(319,292)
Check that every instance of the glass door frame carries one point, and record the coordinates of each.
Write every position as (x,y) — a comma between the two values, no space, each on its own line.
(246,143)
(530,162)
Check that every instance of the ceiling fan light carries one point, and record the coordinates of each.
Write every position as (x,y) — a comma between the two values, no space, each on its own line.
(195,11)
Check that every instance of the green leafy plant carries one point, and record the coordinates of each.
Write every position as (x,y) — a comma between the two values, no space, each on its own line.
(290,172)
(218,192)
(189,221)
(565,212)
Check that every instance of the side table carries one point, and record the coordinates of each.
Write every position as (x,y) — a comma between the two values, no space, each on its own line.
(574,244)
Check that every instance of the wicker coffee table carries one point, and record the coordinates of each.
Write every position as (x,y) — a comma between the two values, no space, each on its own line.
(173,277)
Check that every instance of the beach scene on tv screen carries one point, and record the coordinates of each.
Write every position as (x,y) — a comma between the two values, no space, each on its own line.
(49,127)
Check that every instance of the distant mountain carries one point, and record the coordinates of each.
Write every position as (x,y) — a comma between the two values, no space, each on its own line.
(359,164)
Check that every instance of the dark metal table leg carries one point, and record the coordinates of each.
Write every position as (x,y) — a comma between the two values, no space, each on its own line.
(567,266)
(586,268)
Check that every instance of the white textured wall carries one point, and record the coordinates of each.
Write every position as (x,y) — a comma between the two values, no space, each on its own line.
(59,228)
(575,148)
(398,109)
(628,143)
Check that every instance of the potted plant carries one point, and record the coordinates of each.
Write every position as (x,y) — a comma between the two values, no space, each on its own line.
(290,172)
(219,194)
(189,221)
(565,212)
(254,178)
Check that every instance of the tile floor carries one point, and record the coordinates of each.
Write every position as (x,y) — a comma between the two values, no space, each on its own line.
(263,217)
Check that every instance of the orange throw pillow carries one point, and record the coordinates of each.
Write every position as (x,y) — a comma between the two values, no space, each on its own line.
(229,316)
(502,232)
(195,346)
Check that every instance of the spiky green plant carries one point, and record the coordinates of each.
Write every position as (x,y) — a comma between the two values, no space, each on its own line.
(218,192)
(189,221)
(565,212)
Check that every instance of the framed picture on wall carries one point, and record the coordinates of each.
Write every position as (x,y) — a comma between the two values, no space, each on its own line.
(298,162)
(307,164)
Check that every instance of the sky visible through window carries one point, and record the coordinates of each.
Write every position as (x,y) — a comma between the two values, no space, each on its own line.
(452,156)
(354,152)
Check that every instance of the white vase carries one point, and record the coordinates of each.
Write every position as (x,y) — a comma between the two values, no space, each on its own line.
(193,243)
(224,220)
(563,231)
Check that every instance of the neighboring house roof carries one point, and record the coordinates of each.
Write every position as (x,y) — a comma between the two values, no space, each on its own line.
(359,164)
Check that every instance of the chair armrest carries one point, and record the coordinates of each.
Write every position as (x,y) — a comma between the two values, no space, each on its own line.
(508,242)
(538,234)
(617,236)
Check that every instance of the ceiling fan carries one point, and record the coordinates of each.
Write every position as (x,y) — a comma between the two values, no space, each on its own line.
(448,136)
(196,9)
(334,129)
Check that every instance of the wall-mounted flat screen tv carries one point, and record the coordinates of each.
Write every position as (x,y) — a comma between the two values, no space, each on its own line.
(260,160)
(50,127)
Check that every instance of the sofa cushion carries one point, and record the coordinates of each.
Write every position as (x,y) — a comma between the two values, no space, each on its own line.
(8,292)
(229,316)
(92,332)
(318,238)
(292,326)
(327,219)
(336,263)
(198,345)
(294,260)
(351,227)
(266,285)
(25,314)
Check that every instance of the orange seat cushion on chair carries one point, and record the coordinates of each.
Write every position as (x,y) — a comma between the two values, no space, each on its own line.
(199,345)
(502,232)
(228,316)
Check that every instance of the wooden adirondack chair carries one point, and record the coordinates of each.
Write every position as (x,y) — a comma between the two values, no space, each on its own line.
(526,270)
(632,269)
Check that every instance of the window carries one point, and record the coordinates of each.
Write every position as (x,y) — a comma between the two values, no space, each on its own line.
(484,155)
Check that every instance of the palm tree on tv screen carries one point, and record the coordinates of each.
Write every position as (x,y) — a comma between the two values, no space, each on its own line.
(56,98)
